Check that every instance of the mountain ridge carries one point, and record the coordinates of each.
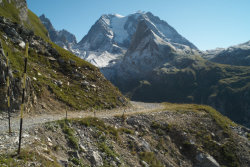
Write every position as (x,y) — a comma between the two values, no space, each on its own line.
(234,55)
(62,38)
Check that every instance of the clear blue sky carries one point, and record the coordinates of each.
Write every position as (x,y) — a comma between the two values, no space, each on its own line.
(207,24)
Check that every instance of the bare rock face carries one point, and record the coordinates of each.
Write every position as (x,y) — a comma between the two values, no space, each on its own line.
(15,86)
(23,9)
(18,35)
(2,79)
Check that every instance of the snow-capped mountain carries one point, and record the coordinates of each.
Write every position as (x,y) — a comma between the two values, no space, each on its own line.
(149,61)
(147,52)
(110,37)
(233,55)
(62,38)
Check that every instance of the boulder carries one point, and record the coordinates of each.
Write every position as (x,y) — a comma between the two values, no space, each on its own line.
(206,160)
(10,31)
(144,146)
(84,83)
(74,154)
(144,164)
(59,83)
(96,159)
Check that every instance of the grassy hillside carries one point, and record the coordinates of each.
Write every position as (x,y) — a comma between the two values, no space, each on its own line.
(35,24)
(50,67)
(9,10)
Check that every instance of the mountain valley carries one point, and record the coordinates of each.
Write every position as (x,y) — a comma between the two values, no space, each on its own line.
(149,61)
(132,92)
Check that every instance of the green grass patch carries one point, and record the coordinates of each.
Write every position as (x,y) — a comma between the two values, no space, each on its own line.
(225,154)
(77,162)
(9,11)
(66,55)
(25,157)
(127,131)
(150,159)
(100,125)
(69,134)
(36,25)
(160,128)
(109,152)
(222,121)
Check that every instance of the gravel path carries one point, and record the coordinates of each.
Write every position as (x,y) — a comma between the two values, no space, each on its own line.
(36,120)
(9,143)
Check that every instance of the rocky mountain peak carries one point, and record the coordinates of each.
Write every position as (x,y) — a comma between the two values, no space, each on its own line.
(111,36)
(47,22)
(62,38)
(146,52)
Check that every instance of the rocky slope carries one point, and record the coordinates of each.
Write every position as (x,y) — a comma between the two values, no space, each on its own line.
(235,55)
(178,135)
(50,68)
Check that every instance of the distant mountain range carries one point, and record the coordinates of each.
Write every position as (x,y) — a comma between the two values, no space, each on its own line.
(234,55)
(148,60)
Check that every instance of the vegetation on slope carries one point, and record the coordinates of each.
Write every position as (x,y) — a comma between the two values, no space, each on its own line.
(35,24)
(225,87)
(9,10)
(50,78)
(27,156)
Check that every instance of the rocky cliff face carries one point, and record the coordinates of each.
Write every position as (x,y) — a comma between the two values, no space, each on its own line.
(11,33)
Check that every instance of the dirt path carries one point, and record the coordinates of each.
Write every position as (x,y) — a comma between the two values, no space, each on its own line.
(35,120)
